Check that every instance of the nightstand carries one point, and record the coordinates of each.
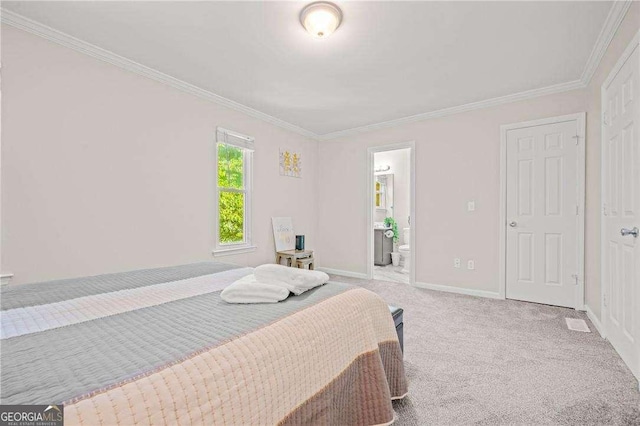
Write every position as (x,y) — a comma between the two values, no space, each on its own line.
(292,257)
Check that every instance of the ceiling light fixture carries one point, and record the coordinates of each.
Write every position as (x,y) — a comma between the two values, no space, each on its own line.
(321,18)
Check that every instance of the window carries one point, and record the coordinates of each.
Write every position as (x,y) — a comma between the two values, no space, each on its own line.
(234,157)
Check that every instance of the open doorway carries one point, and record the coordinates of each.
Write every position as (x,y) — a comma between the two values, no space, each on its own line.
(391,212)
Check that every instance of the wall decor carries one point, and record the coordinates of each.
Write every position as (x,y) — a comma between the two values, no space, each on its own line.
(290,163)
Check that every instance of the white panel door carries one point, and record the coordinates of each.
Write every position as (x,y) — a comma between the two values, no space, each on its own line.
(542,213)
(621,211)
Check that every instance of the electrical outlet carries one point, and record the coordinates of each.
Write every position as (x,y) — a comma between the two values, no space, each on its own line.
(471,265)
(471,206)
(456,262)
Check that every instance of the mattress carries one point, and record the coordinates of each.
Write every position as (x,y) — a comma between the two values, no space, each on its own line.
(160,346)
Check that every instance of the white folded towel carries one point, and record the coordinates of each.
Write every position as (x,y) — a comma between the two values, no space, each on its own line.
(296,280)
(248,290)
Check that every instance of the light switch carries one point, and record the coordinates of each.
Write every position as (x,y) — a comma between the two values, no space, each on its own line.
(471,206)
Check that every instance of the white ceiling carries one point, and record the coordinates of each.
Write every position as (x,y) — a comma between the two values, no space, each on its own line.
(388,60)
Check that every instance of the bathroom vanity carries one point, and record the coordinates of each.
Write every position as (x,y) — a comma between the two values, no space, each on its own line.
(382,247)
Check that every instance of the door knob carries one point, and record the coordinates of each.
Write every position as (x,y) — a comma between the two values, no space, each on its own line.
(513,224)
(624,232)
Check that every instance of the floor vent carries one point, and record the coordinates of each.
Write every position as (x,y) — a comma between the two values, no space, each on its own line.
(577,324)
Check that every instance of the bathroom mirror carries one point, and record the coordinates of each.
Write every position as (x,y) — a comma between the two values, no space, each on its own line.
(383,195)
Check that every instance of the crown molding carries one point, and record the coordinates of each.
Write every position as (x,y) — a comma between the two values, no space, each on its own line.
(51,34)
(515,97)
(611,24)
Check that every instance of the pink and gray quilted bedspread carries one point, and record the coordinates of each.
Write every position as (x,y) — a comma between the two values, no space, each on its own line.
(160,347)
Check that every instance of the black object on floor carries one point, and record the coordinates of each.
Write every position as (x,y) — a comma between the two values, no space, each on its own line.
(397,314)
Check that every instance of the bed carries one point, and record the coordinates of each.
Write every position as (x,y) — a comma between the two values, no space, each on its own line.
(159,346)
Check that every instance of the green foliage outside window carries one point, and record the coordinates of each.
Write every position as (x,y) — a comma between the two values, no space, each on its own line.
(230,203)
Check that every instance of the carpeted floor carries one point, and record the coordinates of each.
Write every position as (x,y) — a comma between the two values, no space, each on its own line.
(483,361)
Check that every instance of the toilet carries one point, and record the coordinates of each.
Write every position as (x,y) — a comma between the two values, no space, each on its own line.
(405,250)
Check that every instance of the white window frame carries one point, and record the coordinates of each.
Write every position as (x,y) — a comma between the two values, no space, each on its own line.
(244,142)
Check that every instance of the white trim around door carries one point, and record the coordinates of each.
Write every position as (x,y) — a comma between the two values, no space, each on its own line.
(411,145)
(579,119)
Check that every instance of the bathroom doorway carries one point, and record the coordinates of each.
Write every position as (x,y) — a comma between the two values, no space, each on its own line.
(391,208)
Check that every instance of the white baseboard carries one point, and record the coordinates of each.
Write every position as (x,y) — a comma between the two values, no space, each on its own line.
(459,290)
(5,279)
(340,272)
(594,320)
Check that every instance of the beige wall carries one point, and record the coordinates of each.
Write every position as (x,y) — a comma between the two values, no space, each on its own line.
(104,170)
(457,160)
